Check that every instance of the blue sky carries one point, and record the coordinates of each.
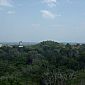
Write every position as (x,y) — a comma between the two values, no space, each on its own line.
(38,20)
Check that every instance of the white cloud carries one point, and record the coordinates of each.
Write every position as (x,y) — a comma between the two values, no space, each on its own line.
(50,3)
(48,14)
(11,12)
(6,3)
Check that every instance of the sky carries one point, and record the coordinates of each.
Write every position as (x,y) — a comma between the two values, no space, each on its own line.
(39,20)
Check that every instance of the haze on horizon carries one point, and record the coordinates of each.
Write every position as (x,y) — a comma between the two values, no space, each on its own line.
(38,20)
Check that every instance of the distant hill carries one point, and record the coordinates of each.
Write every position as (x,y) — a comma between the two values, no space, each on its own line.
(17,43)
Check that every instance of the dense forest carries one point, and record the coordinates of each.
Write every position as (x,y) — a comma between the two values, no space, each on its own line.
(46,63)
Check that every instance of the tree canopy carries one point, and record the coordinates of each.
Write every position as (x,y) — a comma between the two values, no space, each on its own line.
(46,63)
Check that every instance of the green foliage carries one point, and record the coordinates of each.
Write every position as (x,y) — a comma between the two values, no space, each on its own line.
(46,63)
